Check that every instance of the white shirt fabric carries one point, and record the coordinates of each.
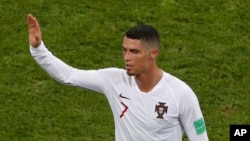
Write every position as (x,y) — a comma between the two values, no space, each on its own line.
(163,114)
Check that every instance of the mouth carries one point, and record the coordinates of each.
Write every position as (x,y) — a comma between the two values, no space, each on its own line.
(127,66)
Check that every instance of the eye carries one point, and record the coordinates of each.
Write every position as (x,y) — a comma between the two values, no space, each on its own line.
(135,51)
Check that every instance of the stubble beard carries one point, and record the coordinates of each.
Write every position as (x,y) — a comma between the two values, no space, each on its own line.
(130,73)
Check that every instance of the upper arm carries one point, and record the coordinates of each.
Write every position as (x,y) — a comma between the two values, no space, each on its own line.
(191,117)
(97,80)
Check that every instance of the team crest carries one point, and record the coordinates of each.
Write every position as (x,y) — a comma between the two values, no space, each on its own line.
(161,109)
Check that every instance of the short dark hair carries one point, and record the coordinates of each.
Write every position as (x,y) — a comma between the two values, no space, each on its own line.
(146,33)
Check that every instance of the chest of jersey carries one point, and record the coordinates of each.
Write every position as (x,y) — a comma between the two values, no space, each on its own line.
(145,112)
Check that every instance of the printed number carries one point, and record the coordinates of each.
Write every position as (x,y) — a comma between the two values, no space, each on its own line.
(124,111)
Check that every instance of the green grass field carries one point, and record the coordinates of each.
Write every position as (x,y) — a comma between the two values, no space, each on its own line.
(204,42)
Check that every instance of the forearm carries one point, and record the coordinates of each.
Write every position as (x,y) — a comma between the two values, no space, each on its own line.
(52,65)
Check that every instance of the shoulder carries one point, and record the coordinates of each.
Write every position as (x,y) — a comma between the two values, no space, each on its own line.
(175,83)
(187,100)
(111,73)
(178,88)
(113,77)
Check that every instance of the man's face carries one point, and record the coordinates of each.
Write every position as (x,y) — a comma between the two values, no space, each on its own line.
(137,58)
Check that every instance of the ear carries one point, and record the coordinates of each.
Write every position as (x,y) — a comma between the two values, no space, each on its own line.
(154,53)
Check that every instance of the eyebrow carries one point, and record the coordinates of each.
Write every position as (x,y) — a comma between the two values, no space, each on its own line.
(131,49)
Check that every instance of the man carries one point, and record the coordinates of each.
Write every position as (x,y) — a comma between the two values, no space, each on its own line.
(148,104)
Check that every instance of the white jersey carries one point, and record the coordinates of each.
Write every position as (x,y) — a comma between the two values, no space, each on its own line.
(163,114)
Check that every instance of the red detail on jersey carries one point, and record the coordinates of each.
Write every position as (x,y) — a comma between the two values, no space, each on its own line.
(121,96)
(125,110)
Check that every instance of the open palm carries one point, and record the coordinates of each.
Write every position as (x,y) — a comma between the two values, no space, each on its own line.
(34,31)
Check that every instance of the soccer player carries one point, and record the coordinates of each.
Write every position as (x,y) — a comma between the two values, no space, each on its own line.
(148,104)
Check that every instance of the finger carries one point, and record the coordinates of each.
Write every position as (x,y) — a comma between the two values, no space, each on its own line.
(32,21)
(36,23)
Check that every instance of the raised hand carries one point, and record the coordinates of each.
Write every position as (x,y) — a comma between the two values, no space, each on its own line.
(35,36)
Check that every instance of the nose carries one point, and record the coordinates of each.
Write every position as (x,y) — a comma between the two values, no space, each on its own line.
(126,55)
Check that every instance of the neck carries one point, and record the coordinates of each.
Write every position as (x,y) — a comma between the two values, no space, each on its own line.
(147,81)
